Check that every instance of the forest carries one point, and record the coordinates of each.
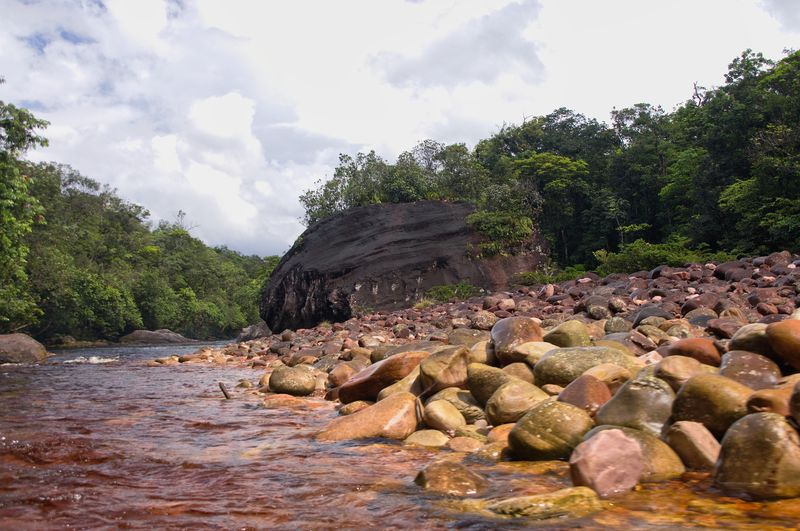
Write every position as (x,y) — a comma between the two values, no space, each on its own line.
(718,176)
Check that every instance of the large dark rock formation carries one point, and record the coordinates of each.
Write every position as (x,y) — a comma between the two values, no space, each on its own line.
(382,257)
(19,348)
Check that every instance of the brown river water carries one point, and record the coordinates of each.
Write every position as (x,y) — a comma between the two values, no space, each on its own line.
(119,445)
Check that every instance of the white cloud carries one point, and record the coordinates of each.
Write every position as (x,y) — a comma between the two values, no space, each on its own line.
(228,110)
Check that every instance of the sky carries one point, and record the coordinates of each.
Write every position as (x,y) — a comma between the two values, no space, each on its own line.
(229,109)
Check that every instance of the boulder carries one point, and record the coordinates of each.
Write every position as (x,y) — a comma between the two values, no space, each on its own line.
(395,417)
(254,331)
(463,401)
(750,369)
(512,400)
(446,368)
(443,416)
(483,381)
(661,463)
(609,463)
(699,348)
(569,334)
(366,384)
(644,403)
(155,337)
(696,446)
(587,393)
(713,400)
(676,370)
(784,339)
(551,430)
(563,365)
(20,348)
(382,256)
(295,381)
(511,332)
(760,458)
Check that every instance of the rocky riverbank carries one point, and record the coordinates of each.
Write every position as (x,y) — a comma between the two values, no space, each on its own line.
(690,372)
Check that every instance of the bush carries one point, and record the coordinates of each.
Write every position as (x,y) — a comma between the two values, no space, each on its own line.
(448,292)
(549,275)
(641,255)
(503,231)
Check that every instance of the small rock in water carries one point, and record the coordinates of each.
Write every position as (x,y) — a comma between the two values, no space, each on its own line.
(609,463)
(296,381)
(453,479)
(573,502)
(428,438)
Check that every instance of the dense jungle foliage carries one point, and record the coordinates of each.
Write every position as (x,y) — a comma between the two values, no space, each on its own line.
(719,173)
(75,259)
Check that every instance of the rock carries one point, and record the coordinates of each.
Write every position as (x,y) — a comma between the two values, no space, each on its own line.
(452,479)
(254,331)
(520,370)
(613,376)
(587,393)
(649,311)
(510,332)
(574,502)
(466,338)
(500,433)
(483,320)
(512,400)
(784,339)
(442,415)
(466,445)
(295,381)
(661,463)
(410,384)
(343,372)
(794,403)
(617,324)
(750,369)
(696,446)
(353,407)
(760,458)
(551,430)
(771,400)
(569,334)
(609,463)
(155,337)
(534,350)
(446,368)
(699,348)
(395,417)
(20,348)
(713,400)
(644,403)
(481,352)
(676,370)
(752,338)
(380,256)
(483,381)
(563,365)
(463,401)
(427,438)
(368,383)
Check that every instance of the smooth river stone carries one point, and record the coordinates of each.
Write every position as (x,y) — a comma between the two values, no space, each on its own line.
(295,381)
(750,369)
(446,368)
(771,400)
(609,463)
(713,400)
(573,502)
(587,393)
(752,338)
(676,370)
(562,366)
(512,331)
(483,381)
(569,334)
(368,383)
(696,446)
(760,458)
(444,416)
(551,430)
(644,403)
(661,463)
(699,348)
(394,417)
(784,338)
(453,479)
(512,400)
(463,401)
(427,438)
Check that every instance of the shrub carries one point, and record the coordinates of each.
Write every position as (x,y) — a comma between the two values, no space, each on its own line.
(550,275)
(503,231)
(447,292)
(641,255)
(424,303)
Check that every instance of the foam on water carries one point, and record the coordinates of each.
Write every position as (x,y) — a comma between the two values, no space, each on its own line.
(91,359)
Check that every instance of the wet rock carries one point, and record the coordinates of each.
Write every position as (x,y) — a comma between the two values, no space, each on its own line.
(20,348)
(446,368)
(512,400)
(676,370)
(551,430)
(661,463)
(392,418)
(771,400)
(463,401)
(701,349)
(483,381)
(569,334)
(586,392)
(465,445)
(444,416)
(696,446)
(760,458)
(368,383)
(523,371)
(410,384)
(644,403)
(354,407)
(752,338)
(510,332)
(343,372)
(563,365)
(500,433)
(609,463)
(784,339)
(750,369)
(713,400)
(453,479)
(574,502)
(427,438)
(295,381)
(613,376)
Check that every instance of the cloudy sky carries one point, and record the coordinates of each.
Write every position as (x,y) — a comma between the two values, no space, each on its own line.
(229,109)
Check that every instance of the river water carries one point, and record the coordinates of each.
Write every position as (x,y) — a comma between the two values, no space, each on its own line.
(95,439)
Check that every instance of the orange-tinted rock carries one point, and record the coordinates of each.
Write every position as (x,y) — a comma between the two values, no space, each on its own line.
(587,393)
(450,478)
(394,417)
(750,369)
(794,403)
(343,372)
(701,349)
(771,400)
(512,331)
(368,383)
(715,401)
(696,446)
(784,338)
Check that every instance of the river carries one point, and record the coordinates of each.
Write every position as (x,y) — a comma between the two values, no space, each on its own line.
(96,439)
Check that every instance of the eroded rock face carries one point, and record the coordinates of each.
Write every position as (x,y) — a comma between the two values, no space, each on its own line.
(383,257)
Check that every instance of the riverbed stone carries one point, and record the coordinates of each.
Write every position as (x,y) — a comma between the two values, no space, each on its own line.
(295,381)
(752,338)
(534,350)
(483,320)
(466,337)
(366,384)
(354,407)
(696,446)
(609,463)
(760,458)
(784,339)
(512,400)
(750,369)
(463,401)
(483,381)
(771,400)
(427,438)
(465,445)
(713,400)
(661,463)
(520,370)
(446,368)
(411,383)
(513,331)
(551,430)
(613,376)
(21,348)
(343,372)
(644,403)
(452,479)
(794,403)
(563,365)
(572,502)
(587,393)
(442,415)
(394,417)
(676,370)
(569,334)
(702,349)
